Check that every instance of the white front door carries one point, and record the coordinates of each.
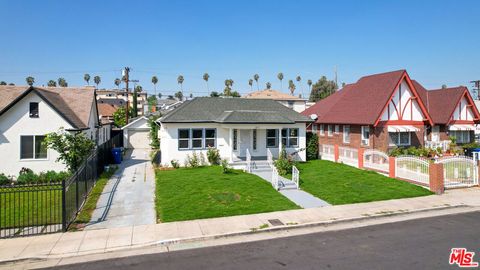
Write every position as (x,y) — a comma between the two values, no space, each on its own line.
(244,141)
(436,133)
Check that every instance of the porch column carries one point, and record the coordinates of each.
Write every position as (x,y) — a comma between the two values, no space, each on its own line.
(231,144)
(280,142)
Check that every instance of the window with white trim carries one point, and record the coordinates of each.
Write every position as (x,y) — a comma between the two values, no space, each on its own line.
(290,137)
(183,138)
(254,142)
(346,133)
(399,138)
(337,129)
(235,139)
(330,130)
(272,138)
(314,128)
(322,130)
(196,138)
(33,147)
(34,110)
(365,135)
(210,135)
(462,136)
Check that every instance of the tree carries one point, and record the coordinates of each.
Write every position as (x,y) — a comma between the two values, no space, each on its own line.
(137,89)
(117,82)
(97,80)
(62,82)
(269,85)
(3,83)
(444,86)
(52,83)
(152,102)
(298,79)
(235,94)
(72,148)
(155,81)
(191,95)
(322,89)
(280,77)
(205,78)
(11,84)
(179,95)
(86,78)
(309,82)
(170,97)
(30,80)
(119,117)
(228,88)
(159,95)
(180,80)
(250,82)
(214,94)
(256,77)
(291,87)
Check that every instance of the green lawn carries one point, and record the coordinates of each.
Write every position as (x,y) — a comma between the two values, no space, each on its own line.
(206,192)
(342,184)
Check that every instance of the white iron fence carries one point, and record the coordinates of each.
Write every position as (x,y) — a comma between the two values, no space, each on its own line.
(413,168)
(348,156)
(327,152)
(459,171)
(377,160)
(296,176)
(269,157)
(275,178)
(248,166)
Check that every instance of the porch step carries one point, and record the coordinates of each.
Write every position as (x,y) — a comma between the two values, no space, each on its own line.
(287,184)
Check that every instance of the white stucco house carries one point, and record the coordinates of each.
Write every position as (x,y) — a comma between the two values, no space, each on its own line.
(297,104)
(232,125)
(27,114)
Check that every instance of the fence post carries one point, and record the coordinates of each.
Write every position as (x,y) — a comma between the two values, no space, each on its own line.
(64,207)
(436,178)
(391,167)
(360,157)
(477,177)
(336,153)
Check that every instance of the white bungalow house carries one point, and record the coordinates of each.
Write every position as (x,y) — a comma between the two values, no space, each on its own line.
(27,114)
(234,126)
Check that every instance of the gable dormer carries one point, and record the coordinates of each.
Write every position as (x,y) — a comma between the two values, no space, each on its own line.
(464,111)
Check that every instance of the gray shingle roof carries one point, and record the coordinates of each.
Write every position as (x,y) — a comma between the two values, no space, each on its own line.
(233,110)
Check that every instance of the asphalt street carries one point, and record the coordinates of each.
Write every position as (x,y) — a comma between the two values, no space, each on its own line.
(415,244)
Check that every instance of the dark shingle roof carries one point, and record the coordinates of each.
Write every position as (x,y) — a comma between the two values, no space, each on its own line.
(233,110)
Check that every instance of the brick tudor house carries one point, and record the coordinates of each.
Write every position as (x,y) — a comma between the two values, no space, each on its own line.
(388,110)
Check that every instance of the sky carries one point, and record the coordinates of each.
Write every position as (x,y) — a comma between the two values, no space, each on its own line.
(437,42)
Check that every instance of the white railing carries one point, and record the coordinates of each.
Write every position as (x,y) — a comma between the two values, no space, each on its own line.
(413,168)
(327,152)
(275,178)
(348,156)
(459,171)
(269,157)
(444,145)
(248,162)
(376,160)
(296,176)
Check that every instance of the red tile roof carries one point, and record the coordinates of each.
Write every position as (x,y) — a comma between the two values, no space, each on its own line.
(106,110)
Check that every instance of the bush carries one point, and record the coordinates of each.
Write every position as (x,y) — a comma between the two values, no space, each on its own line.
(213,156)
(175,163)
(284,163)
(312,146)
(25,170)
(52,176)
(226,168)
(27,177)
(413,151)
(4,180)
(193,161)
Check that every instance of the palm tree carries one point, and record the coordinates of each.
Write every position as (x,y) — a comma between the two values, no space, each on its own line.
(280,77)
(269,85)
(299,79)
(117,82)
(97,80)
(180,80)
(291,86)
(309,82)
(205,78)
(62,82)
(228,87)
(160,95)
(250,82)
(3,83)
(256,77)
(30,80)
(86,78)
(155,81)
(52,83)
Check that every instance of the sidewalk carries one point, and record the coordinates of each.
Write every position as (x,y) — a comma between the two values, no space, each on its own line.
(155,235)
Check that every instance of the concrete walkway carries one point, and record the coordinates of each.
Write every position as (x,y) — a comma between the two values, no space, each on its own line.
(129,196)
(298,196)
(62,245)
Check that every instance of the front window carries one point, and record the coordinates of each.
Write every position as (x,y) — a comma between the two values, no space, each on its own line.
(400,138)
(197,138)
(33,147)
(365,135)
(337,129)
(346,134)
(183,138)
(330,130)
(34,110)
(272,138)
(254,139)
(210,137)
(461,136)
(322,130)
(290,137)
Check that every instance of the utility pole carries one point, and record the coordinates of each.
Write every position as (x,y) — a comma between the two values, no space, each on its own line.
(125,74)
(476,84)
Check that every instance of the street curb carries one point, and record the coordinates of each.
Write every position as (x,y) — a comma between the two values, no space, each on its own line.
(168,242)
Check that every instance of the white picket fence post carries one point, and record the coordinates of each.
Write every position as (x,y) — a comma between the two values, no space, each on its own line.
(275,178)
(269,157)
(249,162)
(296,176)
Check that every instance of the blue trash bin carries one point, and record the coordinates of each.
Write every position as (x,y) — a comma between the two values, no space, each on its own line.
(117,155)
(475,150)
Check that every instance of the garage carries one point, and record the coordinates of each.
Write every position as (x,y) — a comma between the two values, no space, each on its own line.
(135,134)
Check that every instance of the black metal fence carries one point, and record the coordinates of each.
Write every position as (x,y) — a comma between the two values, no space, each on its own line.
(51,207)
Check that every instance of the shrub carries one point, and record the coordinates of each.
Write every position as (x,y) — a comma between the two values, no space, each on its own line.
(312,146)
(52,176)
(175,163)
(213,156)
(193,161)
(27,177)
(4,180)
(284,163)
(202,159)
(25,170)
(226,168)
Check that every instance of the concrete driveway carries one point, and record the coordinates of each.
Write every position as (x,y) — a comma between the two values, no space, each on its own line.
(129,196)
